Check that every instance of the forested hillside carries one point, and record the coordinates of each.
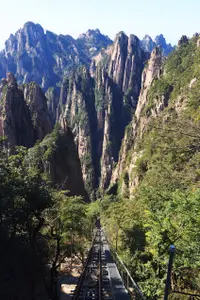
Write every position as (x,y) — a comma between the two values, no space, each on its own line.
(155,201)
(38,220)
(116,136)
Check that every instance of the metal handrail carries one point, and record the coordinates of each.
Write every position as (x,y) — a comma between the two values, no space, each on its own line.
(82,277)
(127,271)
(130,277)
(100,269)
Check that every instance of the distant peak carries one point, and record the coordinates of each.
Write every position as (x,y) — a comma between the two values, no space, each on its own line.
(97,31)
(160,37)
(147,37)
(148,44)
(93,31)
(121,38)
(29,23)
(32,26)
(133,39)
(121,35)
(89,33)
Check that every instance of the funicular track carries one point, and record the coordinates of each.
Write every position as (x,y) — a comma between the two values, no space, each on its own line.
(95,282)
(103,277)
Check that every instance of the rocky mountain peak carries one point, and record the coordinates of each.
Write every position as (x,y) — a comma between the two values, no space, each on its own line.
(90,33)
(148,44)
(147,37)
(97,31)
(24,117)
(45,58)
(121,38)
(34,33)
(118,58)
(150,73)
(134,45)
(93,41)
(161,41)
(24,38)
(154,66)
(126,61)
(11,80)
(134,40)
(31,28)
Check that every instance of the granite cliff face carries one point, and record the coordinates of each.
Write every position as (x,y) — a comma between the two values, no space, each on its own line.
(138,124)
(158,168)
(33,55)
(125,65)
(98,105)
(161,41)
(24,119)
(57,160)
(76,109)
(169,95)
(24,116)
(37,104)
(92,42)
(148,44)
(92,85)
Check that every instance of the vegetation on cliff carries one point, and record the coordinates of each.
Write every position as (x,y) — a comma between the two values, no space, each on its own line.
(164,207)
(155,202)
(38,221)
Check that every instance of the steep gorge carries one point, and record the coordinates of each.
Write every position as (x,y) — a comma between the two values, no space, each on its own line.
(153,199)
(25,121)
(138,125)
(98,105)
(127,133)
(166,94)
(98,96)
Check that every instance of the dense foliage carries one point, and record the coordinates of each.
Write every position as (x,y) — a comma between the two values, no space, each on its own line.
(39,227)
(40,224)
(164,208)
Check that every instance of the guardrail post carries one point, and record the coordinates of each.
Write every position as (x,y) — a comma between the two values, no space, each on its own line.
(116,241)
(100,268)
(168,280)
(71,263)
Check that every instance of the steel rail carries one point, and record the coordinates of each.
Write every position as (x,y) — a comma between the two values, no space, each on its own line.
(100,268)
(94,282)
(82,277)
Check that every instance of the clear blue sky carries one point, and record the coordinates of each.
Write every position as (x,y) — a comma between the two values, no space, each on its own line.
(173,18)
